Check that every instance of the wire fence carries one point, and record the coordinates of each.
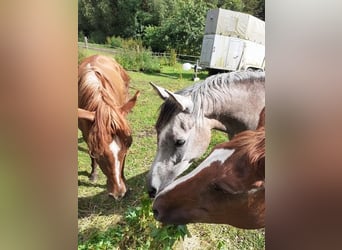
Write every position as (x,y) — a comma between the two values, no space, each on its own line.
(180,57)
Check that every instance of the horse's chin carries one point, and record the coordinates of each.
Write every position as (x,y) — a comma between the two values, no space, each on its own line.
(173,217)
(173,221)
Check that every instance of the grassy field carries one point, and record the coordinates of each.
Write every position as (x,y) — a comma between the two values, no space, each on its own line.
(104,223)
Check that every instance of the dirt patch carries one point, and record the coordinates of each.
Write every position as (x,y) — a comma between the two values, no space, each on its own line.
(189,243)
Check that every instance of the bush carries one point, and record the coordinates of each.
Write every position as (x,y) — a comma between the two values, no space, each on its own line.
(128,60)
(138,59)
(133,44)
(173,57)
(154,38)
(131,55)
(114,42)
(97,37)
(81,36)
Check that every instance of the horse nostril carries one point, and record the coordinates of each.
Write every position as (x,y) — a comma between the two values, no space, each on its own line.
(155,213)
(152,192)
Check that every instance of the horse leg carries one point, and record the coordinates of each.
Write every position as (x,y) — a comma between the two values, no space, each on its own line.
(93,174)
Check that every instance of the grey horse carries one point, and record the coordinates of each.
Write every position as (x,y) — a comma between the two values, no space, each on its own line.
(229,102)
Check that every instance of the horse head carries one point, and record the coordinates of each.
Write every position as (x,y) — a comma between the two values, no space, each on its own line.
(114,146)
(177,132)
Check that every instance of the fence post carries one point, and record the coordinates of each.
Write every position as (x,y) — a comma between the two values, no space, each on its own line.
(195,78)
(86,42)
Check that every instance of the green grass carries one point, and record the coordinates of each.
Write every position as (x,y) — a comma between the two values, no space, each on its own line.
(104,223)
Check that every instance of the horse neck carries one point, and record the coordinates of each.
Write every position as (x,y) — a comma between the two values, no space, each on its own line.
(224,108)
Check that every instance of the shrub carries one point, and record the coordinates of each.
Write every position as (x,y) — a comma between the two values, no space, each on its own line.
(154,38)
(97,37)
(149,63)
(140,59)
(132,55)
(114,42)
(173,57)
(132,44)
(81,36)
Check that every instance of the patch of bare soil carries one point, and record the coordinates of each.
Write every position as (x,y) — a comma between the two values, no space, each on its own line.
(189,243)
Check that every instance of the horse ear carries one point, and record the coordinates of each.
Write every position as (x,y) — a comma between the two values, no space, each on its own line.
(184,102)
(161,91)
(127,107)
(85,114)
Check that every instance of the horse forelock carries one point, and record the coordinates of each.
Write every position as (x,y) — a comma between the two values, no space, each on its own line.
(208,95)
(166,111)
(97,93)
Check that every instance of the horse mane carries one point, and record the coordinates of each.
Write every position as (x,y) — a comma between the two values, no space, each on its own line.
(209,93)
(250,143)
(99,95)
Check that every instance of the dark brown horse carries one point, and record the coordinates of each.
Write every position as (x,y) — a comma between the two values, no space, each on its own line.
(103,103)
(227,187)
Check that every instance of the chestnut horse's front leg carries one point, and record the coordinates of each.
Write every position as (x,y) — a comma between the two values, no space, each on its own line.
(93,174)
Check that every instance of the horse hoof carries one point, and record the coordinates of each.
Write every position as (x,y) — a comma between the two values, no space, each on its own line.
(92,178)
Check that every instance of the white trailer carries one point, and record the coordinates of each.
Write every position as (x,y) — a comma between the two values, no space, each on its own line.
(233,41)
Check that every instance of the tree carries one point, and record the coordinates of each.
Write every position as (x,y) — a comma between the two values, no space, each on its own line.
(260,10)
(182,31)
(101,18)
(161,24)
(96,18)
(255,8)
(236,5)
(187,27)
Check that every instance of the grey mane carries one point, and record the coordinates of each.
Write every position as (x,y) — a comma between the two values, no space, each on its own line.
(208,94)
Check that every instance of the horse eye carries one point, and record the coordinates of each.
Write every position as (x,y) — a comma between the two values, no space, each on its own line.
(216,187)
(179,143)
(222,188)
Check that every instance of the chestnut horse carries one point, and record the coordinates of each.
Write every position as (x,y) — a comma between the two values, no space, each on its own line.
(103,103)
(226,188)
